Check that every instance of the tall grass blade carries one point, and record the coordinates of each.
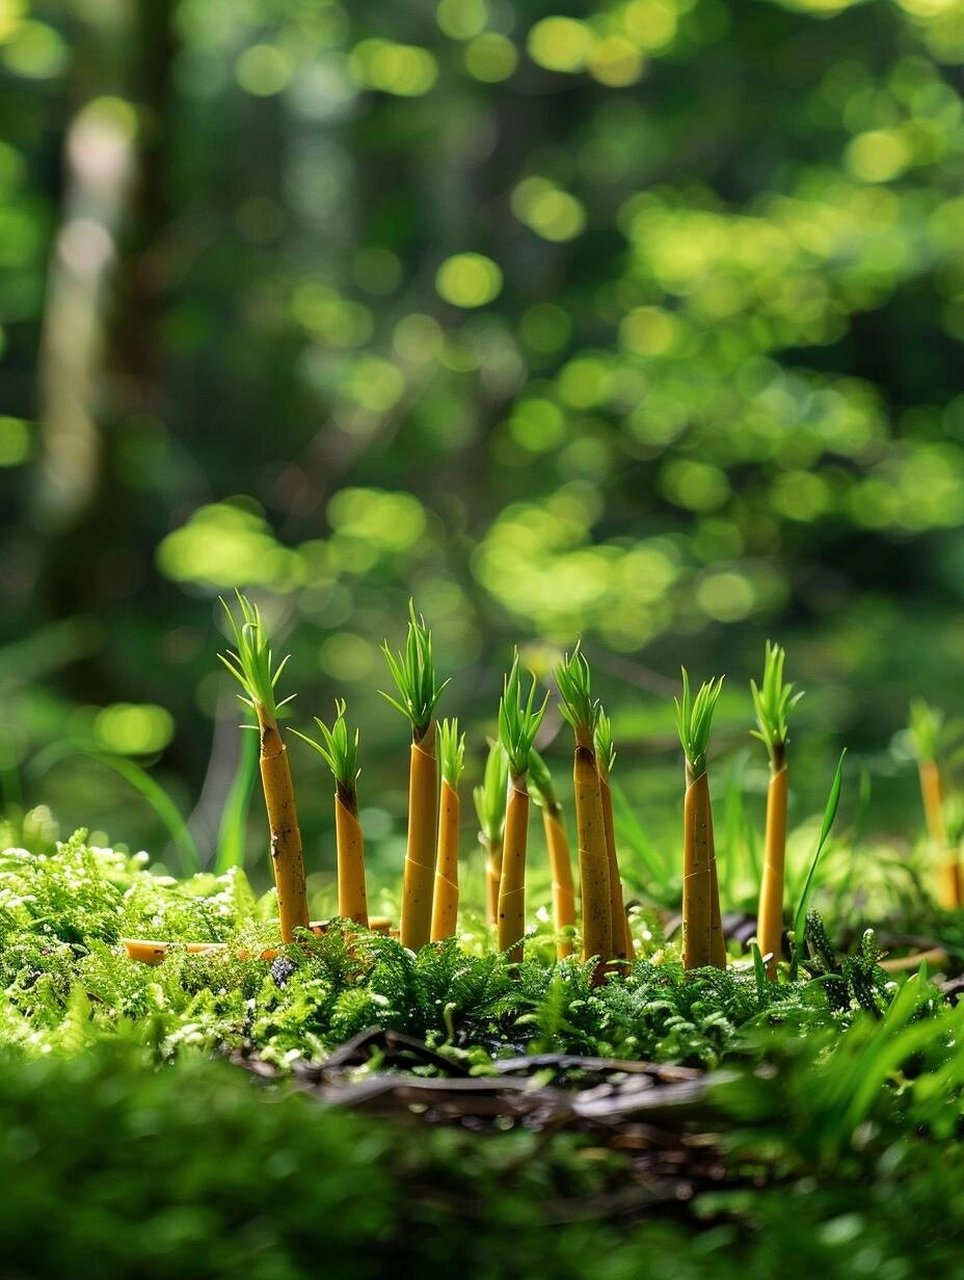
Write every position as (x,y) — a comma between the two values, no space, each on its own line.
(631,833)
(232,829)
(829,814)
(150,791)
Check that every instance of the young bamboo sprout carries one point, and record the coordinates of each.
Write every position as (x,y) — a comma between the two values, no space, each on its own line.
(413,672)
(519,720)
(927,731)
(605,759)
(702,930)
(572,678)
(445,905)
(490,801)
(773,703)
(339,750)
(560,859)
(252,666)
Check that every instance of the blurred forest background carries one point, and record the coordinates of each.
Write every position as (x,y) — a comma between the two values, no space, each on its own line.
(639,319)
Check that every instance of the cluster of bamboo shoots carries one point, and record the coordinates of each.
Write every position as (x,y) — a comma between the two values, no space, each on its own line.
(514,773)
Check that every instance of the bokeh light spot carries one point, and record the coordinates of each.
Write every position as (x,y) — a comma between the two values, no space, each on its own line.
(560,44)
(468,280)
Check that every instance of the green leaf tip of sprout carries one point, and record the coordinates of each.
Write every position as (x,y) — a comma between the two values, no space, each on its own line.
(338,747)
(251,661)
(519,720)
(451,752)
(694,720)
(413,671)
(603,740)
(926,729)
(574,683)
(491,797)
(540,783)
(773,701)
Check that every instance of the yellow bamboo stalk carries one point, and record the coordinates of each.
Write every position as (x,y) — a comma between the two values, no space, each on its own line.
(493,874)
(769,927)
(717,937)
(597,923)
(419,874)
(352,897)
(445,905)
(150,952)
(949,886)
(702,935)
(616,909)
(512,886)
(563,890)
(287,858)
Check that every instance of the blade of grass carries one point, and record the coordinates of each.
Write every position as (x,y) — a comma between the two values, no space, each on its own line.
(829,814)
(150,791)
(631,832)
(232,829)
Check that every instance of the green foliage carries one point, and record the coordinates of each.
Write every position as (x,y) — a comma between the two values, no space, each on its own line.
(773,703)
(541,786)
(574,683)
(338,748)
(61,917)
(694,720)
(603,743)
(850,982)
(492,796)
(451,752)
(519,720)
(927,730)
(413,671)
(251,662)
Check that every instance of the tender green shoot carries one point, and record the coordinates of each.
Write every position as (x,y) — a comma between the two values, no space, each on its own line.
(451,752)
(540,784)
(413,671)
(927,730)
(519,720)
(338,748)
(694,720)
(491,797)
(773,703)
(251,662)
(603,740)
(573,681)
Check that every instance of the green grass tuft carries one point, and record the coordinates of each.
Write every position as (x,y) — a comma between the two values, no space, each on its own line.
(338,747)
(451,752)
(773,702)
(927,730)
(574,684)
(603,740)
(694,720)
(251,662)
(490,798)
(519,720)
(540,783)
(414,674)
